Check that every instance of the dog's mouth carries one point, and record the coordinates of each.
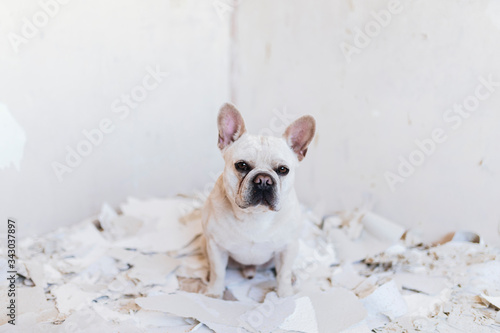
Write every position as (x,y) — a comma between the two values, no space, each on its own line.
(259,190)
(264,197)
(261,197)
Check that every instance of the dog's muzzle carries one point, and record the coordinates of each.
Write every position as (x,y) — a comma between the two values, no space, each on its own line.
(263,191)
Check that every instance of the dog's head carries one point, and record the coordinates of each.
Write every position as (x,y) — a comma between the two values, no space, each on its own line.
(259,170)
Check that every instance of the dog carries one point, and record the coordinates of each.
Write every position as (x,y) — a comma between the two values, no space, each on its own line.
(252,215)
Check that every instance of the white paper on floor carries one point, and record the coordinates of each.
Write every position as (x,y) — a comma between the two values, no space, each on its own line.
(144,270)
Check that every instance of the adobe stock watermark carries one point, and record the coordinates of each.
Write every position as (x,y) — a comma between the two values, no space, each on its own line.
(122,107)
(225,8)
(31,27)
(372,29)
(257,318)
(322,254)
(454,117)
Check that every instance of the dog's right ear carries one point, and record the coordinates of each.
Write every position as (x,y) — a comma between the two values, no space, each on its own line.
(231,125)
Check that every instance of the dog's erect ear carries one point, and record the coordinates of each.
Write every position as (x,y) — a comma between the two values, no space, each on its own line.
(231,125)
(300,134)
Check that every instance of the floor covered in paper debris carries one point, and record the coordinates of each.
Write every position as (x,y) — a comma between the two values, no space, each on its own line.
(143,270)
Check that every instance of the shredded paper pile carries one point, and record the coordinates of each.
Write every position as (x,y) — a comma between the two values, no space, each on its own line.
(144,270)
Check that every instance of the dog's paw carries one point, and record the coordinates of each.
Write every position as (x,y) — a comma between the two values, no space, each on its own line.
(214,292)
(285,290)
(217,296)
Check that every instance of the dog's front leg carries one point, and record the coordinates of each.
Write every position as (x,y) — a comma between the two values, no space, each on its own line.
(217,259)
(284,263)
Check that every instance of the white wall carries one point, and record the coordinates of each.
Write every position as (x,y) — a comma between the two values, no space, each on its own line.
(285,59)
(371,110)
(65,79)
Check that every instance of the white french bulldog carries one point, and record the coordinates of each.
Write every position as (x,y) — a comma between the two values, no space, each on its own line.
(252,215)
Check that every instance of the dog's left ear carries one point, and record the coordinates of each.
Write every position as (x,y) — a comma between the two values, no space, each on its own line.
(300,134)
(231,125)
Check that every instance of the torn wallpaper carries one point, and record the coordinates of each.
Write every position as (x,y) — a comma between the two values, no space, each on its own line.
(144,270)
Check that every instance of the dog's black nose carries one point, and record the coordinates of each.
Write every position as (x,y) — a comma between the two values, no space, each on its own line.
(263,179)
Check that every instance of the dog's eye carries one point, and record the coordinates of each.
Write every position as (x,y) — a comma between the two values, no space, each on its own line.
(242,166)
(282,170)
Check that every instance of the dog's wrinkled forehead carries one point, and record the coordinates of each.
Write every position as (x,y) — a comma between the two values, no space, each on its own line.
(262,151)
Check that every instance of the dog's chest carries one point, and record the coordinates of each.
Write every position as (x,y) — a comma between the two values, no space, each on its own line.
(252,253)
(251,242)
